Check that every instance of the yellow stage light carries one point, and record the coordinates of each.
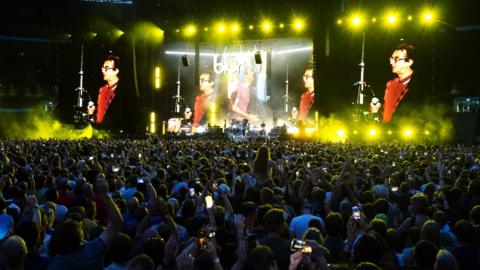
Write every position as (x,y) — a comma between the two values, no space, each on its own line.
(427,132)
(341,133)
(250,27)
(428,16)
(267,26)
(157,78)
(374,19)
(298,24)
(339,21)
(389,132)
(372,132)
(177,30)
(391,19)
(235,27)
(221,27)
(281,26)
(408,133)
(410,17)
(355,132)
(356,21)
(153,123)
(118,33)
(190,30)
(205,29)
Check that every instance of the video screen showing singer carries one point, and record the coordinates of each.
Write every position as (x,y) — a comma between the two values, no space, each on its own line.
(401,94)
(117,106)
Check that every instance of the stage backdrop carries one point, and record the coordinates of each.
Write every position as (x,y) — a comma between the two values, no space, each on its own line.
(276,63)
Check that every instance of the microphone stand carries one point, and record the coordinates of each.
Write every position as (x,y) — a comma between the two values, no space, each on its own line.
(361,84)
(80,114)
(286,97)
(177,97)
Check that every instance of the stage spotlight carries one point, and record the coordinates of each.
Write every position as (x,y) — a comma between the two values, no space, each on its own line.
(355,132)
(153,123)
(235,28)
(190,30)
(339,21)
(267,26)
(298,24)
(177,30)
(410,17)
(391,19)
(428,16)
(389,132)
(408,133)
(356,21)
(281,26)
(220,27)
(118,33)
(374,19)
(250,27)
(341,133)
(157,78)
(205,29)
(372,132)
(427,132)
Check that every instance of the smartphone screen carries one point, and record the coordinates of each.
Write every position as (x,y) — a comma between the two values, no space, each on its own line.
(356,213)
(209,201)
(192,192)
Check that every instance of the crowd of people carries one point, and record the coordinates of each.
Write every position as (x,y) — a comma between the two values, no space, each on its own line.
(159,203)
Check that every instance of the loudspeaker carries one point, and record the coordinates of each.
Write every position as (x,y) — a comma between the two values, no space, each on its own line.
(185,62)
(258,58)
(466,126)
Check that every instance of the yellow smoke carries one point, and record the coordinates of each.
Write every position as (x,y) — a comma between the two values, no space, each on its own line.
(37,125)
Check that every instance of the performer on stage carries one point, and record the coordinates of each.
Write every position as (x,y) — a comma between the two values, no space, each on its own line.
(308,98)
(243,97)
(116,108)
(204,99)
(398,89)
(187,118)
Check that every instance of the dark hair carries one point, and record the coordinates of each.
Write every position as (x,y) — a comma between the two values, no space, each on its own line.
(408,48)
(121,248)
(274,219)
(475,214)
(30,232)
(207,71)
(260,258)
(141,261)
(425,253)
(115,59)
(66,239)
(334,224)
(464,231)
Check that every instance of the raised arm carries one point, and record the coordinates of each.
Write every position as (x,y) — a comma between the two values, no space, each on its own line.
(115,223)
